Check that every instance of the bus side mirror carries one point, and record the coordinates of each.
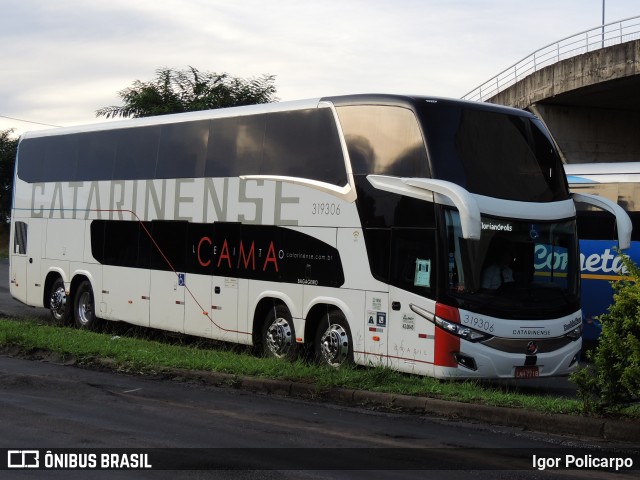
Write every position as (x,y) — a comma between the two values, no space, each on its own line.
(623,222)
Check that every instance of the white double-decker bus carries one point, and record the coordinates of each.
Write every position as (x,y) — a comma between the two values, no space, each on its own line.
(427,235)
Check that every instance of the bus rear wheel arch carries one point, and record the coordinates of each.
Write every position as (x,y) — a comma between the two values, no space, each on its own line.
(333,343)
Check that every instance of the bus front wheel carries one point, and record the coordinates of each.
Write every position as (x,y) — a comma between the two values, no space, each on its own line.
(84,309)
(333,343)
(278,334)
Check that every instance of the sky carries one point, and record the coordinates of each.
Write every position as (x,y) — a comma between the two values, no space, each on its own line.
(61,60)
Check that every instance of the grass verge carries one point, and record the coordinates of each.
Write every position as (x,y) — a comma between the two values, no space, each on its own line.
(128,352)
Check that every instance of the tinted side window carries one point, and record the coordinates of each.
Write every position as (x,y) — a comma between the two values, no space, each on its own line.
(384,140)
(183,150)
(121,243)
(82,157)
(20,238)
(61,159)
(378,241)
(413,260)
(170,248)
(97,155)
(304,144)
(31,157)
(379,209)
(235,146)
(137,152)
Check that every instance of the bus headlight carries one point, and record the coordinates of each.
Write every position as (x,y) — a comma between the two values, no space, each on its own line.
(461,331)
(575,334)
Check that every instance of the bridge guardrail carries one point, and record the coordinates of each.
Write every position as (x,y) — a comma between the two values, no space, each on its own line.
(587,41)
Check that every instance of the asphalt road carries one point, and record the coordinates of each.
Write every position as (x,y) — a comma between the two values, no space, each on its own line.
(50,406)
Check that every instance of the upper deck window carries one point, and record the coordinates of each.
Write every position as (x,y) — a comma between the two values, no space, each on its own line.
(384,140)
(297,143)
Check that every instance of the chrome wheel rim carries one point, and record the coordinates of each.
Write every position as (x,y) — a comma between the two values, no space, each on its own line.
(58,302)
(334,345)
(85,308)
(279,338)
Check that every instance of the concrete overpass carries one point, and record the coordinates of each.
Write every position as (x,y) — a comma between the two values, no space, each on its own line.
(586,88)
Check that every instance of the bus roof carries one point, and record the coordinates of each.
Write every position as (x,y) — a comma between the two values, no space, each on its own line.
(358,99)
(178,118)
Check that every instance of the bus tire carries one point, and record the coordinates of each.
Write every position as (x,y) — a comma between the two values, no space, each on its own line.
(59,303)
(333,344)
(278,334)
(84,307)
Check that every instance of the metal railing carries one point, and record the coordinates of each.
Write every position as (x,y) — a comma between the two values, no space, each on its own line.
(598,37)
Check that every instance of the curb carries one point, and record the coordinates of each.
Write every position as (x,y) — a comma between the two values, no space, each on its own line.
(595,428)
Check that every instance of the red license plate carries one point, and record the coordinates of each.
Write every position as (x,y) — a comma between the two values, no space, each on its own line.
(527,372)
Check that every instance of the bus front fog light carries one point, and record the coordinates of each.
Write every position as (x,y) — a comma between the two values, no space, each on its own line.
(574,360)
(465,361)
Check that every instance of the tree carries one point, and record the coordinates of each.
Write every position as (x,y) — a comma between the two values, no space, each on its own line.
(612,379)
(176,91)
(8,150)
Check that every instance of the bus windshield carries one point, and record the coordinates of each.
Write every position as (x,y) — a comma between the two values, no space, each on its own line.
(517,266)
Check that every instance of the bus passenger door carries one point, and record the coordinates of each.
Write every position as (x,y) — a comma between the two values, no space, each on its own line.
(412,278)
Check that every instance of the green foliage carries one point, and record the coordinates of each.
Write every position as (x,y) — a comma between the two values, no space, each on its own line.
(177,91)
(613,377)
(8,150)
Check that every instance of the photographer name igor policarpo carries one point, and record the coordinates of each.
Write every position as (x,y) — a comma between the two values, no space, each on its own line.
(592,462)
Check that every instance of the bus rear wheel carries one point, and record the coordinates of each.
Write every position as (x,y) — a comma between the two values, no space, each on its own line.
(59,303)
(278,334)
(84,308)
(333,343)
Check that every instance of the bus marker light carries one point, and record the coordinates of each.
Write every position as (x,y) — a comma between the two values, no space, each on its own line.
(376,338)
